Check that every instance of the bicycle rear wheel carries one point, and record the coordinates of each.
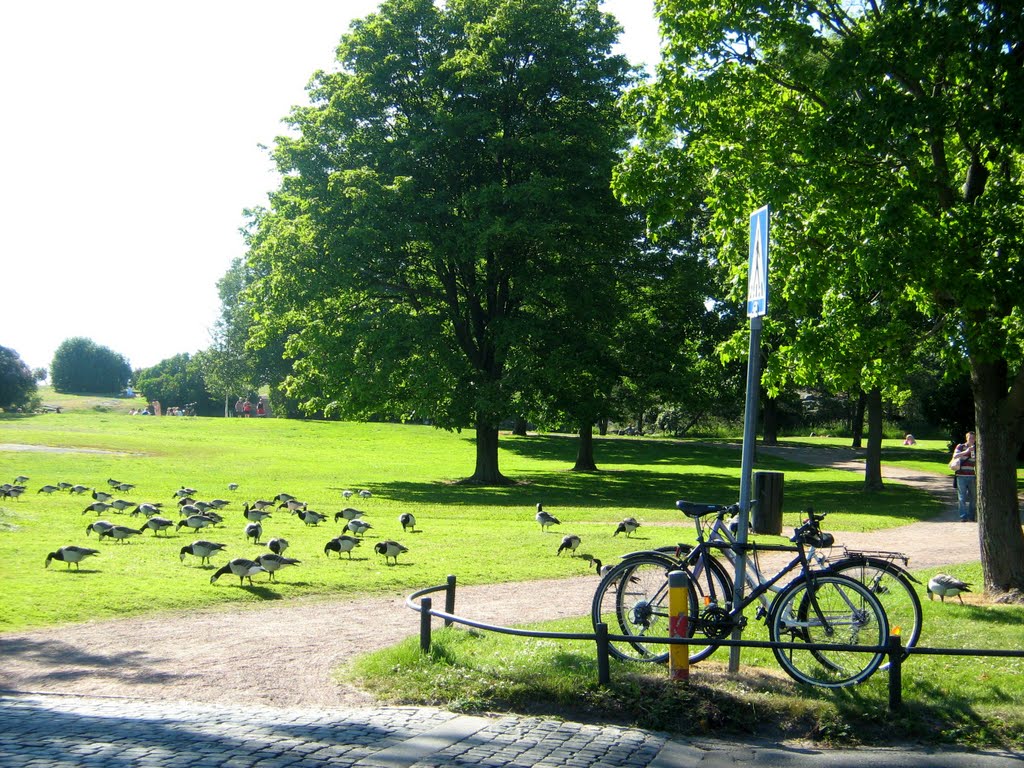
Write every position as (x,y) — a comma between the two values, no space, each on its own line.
(833,611)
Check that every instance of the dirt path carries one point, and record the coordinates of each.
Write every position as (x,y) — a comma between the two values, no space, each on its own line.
(283,654)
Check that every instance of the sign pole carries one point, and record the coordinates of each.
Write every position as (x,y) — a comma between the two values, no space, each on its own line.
(757,306)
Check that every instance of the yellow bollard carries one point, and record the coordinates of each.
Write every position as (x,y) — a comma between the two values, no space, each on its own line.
(678,607)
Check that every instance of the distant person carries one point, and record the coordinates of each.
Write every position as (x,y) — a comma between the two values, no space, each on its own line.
(965,457)
(260,409)
(156,407)
(246,409)
(909,440)
(239,407)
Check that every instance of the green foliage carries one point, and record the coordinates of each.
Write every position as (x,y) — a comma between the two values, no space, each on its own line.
(178,381)
(81,365)
(17,384)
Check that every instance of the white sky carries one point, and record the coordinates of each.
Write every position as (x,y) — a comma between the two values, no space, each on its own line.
(130,135)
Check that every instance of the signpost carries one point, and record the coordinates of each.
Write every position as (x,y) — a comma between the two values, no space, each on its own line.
(757,306)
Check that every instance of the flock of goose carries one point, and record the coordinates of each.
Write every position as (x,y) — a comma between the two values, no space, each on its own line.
(571,542)
(197,515)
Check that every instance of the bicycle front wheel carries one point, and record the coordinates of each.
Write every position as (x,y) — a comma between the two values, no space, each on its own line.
(828,610)
(632,599)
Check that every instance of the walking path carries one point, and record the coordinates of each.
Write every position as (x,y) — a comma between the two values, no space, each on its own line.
(253,687)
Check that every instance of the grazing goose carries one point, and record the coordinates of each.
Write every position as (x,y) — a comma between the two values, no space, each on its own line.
(292,505)
(408,521)
(261,504)
(102,495)
(124,487)
(341,544)
(186,501)
(48,489)
(942,585)
(183,492)
(364,494)
(240,567)
(601,569)
(348,513)
(194,521)
(99,526)
(121,505)
(14,491)
(120,533)
(347,494)
(253,531)
(97,507)
(21,480)
(255,515)
(69,555)
(77,489)
(147,509)
(545,519)
(277,546)
(284,498)
(232,486)
(202,549)
(389,548)
(65,486)
(272,563)
(310,517)
(204,506)
(112,482)
(627,526)
(358,527)
(189,509)
(219,503)
(157,524)
(569,543)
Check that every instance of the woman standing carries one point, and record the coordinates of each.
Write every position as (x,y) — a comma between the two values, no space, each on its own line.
(966,453)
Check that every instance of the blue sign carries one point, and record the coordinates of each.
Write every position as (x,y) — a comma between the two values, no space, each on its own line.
(757,266)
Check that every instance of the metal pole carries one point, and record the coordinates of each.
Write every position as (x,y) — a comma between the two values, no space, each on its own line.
(604,676)
(895,672)
(426,606)
(746,470)
(449,600)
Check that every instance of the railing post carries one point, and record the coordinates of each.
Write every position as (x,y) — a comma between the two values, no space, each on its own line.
(895,652)
(449,600)
(604,676)
(426,606)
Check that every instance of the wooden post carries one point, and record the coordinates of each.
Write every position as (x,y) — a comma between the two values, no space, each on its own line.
(678,606)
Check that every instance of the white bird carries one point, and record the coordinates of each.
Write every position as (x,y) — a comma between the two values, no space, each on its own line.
(364,494)
(347,494)
(389,548)
(219,503)
(942,584)
(627,526)
(124,487)
(260,504)
(284,497)
(99,526)
(272,563)
(310,517)
(358,527)
(121,505)
(408,521)
(348,513)
(71,554)
(293,505)
(102,495)
(240,567)
(119,533)
(569,543)
(277,546)
(202,549)
(157,524)
(21,480)
(183,492)
(341,544)
(253,531)
(545,519)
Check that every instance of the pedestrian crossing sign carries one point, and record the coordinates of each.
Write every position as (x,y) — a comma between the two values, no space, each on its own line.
(757,267)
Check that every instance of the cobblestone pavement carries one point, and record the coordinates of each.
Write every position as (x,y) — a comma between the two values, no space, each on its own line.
(54,731)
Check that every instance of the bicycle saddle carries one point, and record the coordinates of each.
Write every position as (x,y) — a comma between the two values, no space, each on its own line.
(695,509)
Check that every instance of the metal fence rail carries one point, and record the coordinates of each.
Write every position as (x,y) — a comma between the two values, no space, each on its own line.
(600,637)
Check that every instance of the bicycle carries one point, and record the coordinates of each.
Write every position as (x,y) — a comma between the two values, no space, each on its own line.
(817,608)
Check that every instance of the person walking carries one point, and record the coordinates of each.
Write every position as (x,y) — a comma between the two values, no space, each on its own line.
(246,409)
(965,459)
(239,407)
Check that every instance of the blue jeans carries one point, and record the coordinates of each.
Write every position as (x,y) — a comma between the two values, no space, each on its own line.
(967,497)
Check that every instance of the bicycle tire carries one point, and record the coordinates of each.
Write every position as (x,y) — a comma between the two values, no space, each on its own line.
(894,588)
(853,616)
(632,600)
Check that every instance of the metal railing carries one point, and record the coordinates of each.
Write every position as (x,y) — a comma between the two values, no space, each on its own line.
(600,637)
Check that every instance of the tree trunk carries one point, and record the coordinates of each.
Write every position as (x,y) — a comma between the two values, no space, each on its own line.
(486,472)
(1000,424)
(873,459)
(227,404)
(771,421)
(857,420)
(585,450)
(519,429)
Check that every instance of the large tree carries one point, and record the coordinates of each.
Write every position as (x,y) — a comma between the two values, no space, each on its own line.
(17,383)
(81,365)
(438,189)
(888,138)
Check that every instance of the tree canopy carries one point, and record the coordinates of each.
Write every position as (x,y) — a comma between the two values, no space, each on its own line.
(81,365)
(447,191)
(17,381)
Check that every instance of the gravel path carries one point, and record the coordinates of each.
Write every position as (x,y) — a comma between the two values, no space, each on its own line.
(283,654)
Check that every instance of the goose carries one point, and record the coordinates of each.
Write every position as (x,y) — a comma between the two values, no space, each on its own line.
(194,521)
(293,505)
(183,492)
(157,524)
(120,533)
(627,526)
(99,526)
(217,519)
(146,509)
(277,546)
(124,487)
(121,505)
(204,506)
(102,495)
(942,584)
(408,521)
(77,489)
(97,507)
(112,482)
(15,491)
(219,503)
(48,489)
(341,544)
(189,509)
(186,501)
(569,543)
(364,494)
(71,554)
(232,486)
(283,498)
(261,504)
(545,519)
(240,567)
(348,513)
(271,563)
(389,548)
(254,515)
(358,527)
(347,494)
(253,531)
(65,486)
(202,549)
(21,480)
(310,517)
